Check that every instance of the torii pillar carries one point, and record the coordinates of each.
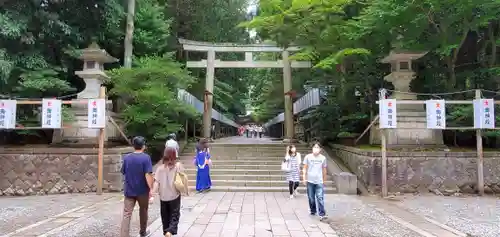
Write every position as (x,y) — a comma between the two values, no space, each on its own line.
(209,96)
(287,88)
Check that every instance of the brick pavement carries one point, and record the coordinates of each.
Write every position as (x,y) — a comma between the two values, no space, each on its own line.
(247,214)
(257,214)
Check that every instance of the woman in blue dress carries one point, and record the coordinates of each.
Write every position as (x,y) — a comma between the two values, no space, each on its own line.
(203,162)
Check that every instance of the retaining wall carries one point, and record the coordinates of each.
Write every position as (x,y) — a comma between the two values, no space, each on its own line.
(38,171)
(447,172)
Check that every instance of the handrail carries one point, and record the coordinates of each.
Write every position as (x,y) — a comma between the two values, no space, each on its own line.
(367,129)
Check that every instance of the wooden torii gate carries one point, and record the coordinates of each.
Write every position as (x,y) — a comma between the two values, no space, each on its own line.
(211,63)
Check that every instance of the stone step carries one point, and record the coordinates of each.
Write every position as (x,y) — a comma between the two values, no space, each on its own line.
(250,149)
(245,177)
(301,189)
(237,157)
(191,172)
(237,162)
(220,165)
(253,183)
(244,155)
(279,151)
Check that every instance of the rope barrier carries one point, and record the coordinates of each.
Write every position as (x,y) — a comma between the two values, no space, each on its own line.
(438,95)
(10,97)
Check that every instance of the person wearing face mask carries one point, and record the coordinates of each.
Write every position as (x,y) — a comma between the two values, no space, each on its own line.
(314,178)
(293,160)
(170,197)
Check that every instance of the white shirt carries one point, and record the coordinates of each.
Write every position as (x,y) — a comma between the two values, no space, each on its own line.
(315,165)
(173,144)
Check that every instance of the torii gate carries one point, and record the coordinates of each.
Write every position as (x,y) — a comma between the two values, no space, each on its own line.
(211,63)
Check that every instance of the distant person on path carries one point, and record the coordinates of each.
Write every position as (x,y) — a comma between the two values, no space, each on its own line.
(241,131)
(293,159)
(137,169)
(252,131)
(259,131)
(315,178)
(170,197)
(172,143)
(213,132)
(247,130)
(203,162)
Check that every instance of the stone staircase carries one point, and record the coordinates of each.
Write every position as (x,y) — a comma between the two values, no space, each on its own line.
(246,168)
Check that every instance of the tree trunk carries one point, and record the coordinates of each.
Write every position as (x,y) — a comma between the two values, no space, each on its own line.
(127,61)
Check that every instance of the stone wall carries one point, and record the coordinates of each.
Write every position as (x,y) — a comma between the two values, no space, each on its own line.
(448,172)
(38,171)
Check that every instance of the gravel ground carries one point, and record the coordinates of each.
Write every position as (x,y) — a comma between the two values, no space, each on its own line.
(477,216)
(18,212)
(107,222)
(351,217)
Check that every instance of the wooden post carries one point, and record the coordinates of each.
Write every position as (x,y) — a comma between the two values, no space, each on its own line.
(384,162)
(100,154)
(186,128)
(479,149)
(287,87)
(283,133)
(194,130)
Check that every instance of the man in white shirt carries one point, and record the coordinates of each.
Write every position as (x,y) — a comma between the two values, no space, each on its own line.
(314,172)
(171,142)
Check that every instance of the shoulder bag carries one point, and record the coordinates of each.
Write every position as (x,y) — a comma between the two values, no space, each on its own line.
(181,182)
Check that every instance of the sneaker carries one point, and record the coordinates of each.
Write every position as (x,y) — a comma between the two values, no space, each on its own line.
(168,234)
(145,233)
(323,218)
(291,196)
(312,214)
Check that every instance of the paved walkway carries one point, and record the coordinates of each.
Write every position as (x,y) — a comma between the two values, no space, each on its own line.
(247,140)
(257,214)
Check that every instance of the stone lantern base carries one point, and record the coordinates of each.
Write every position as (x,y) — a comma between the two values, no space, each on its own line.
(417,136)
(80,134)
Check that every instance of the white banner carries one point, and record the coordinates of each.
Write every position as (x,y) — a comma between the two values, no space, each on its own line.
(8,110)
(388,111)
(96,113)
(51,113)
(436,114)
(484,113)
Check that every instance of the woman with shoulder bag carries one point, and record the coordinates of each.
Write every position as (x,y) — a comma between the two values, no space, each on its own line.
(167,186)
(292,161)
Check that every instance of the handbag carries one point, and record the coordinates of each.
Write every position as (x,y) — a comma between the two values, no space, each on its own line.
(285,166)
(181,182)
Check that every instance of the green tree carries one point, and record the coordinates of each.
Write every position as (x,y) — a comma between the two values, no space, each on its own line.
(153,110)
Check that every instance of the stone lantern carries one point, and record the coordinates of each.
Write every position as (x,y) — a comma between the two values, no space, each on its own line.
(409,116)
(93,74)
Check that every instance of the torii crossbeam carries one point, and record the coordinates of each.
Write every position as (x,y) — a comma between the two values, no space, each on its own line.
(211,63)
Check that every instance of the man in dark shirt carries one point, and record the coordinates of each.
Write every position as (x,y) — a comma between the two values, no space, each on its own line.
(138,172)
